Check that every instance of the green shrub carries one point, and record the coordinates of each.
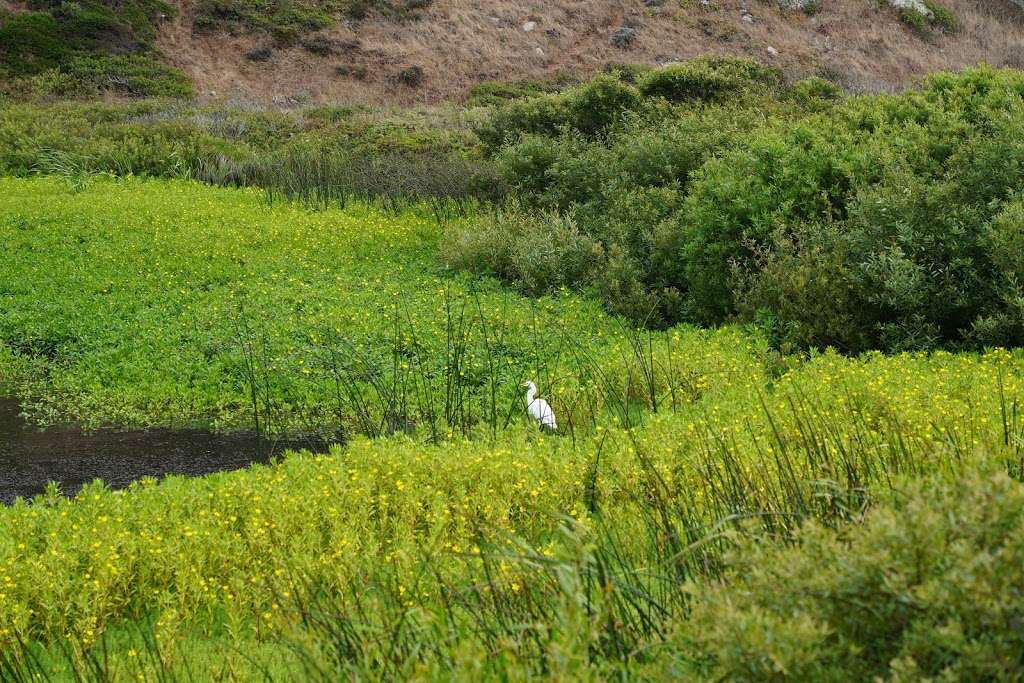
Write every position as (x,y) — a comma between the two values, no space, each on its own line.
(495,93)
(628,73)
(941,18)
(590,109)
(135,75)
(527,164)
(814,94)
(540,252)
(411,76)
(544,115)
(600,103)
(927,588)
(742,197)
(914,179)
(859,223)
(30,42)
(286,21)
(708,79)
(802,290)
(1004,238)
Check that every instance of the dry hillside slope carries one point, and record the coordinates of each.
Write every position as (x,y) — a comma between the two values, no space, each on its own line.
(458,43)
(440,48)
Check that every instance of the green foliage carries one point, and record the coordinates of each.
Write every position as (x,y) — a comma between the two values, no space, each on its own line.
(944,18)
(325,155)
(411,76)
(920,590)
(814,94)
(286,21)
(493,93)
(600,103)
(82,49)
(312,281)
(134,75)
(540,252)
(914,181)
(628,73)
(859,223)
(590,109)
(30,42)
(941,18)
(709,79)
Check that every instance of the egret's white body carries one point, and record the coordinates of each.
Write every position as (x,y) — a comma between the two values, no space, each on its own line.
(538,408)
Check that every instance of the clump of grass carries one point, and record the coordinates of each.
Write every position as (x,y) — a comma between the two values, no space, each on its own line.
(411,76)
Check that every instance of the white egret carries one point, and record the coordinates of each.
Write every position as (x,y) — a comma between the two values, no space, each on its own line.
(538,408)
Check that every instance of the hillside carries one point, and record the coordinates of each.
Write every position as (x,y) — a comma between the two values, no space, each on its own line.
(421,51)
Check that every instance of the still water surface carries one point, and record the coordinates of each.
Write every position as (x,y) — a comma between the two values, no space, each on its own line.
(31,457)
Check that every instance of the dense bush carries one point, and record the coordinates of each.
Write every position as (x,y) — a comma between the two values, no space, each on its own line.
(814,94)
(913,181)
(494,93)
(875,222)
(589,109)
(542,252)
(926,588)
(286,21)
(709,79)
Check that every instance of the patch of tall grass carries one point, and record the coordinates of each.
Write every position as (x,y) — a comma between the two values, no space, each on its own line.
(536,554)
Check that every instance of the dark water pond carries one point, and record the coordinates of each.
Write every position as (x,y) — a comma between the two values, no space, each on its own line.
(31,457)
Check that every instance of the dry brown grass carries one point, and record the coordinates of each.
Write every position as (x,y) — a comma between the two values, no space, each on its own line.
(461,42)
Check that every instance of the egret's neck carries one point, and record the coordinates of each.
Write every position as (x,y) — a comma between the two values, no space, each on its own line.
(530,394)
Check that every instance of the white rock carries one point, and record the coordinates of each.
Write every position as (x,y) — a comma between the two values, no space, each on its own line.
(539,51)
(529,26)
(914,6)
(802,5)
(772,52)
(748,18)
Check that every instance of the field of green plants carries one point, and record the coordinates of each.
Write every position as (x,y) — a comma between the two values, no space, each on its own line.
(822,483)
(143,303)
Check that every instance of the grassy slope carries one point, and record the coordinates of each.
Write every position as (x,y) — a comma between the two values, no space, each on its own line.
(86,48)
